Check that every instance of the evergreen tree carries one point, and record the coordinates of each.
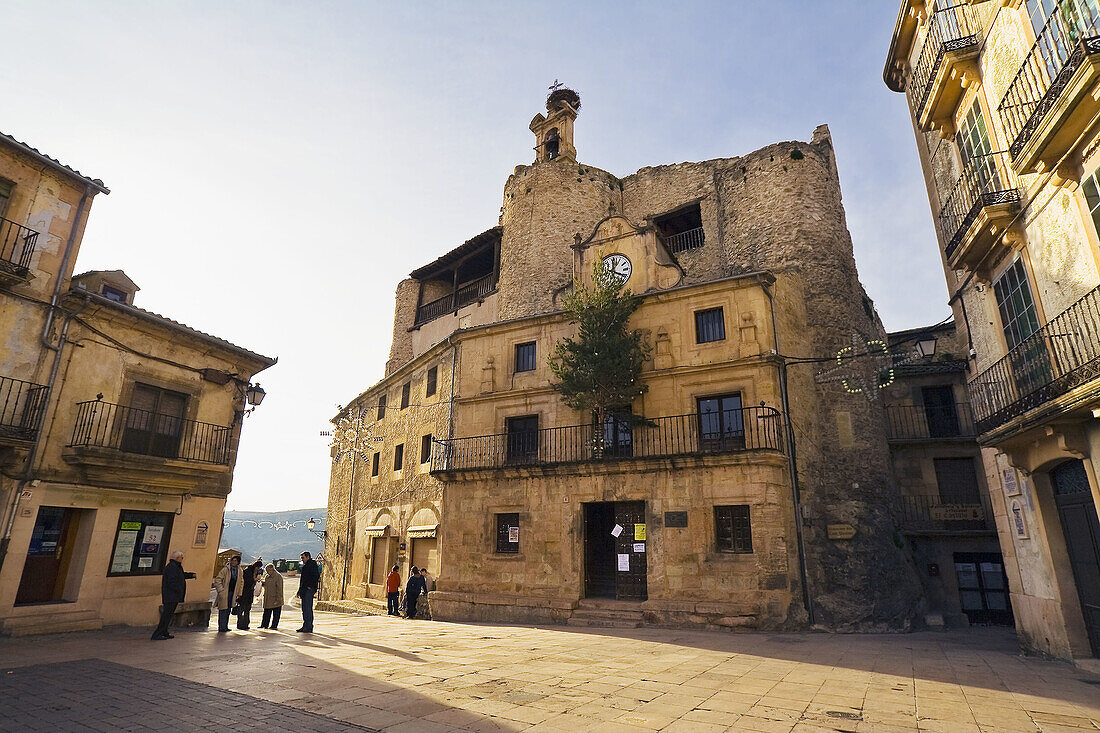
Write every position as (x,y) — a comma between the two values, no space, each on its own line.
(600,368)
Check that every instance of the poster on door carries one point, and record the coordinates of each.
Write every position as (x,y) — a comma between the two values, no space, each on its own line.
(150,543)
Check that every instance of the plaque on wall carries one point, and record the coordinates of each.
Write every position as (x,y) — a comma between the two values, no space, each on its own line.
(840,531)
(676,519)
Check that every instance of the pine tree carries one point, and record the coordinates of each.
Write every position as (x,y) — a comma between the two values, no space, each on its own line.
(600,368)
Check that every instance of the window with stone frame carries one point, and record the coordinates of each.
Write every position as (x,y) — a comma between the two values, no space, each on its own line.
(507,533)
(710,325)
(431,382)
(1019,318)
(733,529)
(525,357)
(399,457)
(381,407)
(975,148)
(406,390)
(426,448)
(374,461)
(6,189)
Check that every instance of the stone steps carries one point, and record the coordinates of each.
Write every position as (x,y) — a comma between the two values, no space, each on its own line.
(606,614)
(49,621)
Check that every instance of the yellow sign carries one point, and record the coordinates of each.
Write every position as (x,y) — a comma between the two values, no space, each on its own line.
(639,532)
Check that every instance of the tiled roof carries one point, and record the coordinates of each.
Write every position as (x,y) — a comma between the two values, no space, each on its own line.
(456,254)
(54,162)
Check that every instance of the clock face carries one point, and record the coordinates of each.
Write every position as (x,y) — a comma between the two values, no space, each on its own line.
(618,265)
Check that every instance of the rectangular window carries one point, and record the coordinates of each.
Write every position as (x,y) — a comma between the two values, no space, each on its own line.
(431,382)
(523,438)
(381,407)
(721,423)
(399,457)
(733,531)
(114,294)
(1091,188)
(426,448)
(6,187)
(141,543)
(154,422)
(710,325)
(940,411)
(406,388)
(508,533)
(525,357)
(975,148)
(1017,308)
(374,461)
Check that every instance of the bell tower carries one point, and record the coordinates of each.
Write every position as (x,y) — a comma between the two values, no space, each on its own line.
(554,130)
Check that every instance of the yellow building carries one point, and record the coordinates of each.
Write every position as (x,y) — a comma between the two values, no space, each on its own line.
(757,496)
(118,426)
(1005,102)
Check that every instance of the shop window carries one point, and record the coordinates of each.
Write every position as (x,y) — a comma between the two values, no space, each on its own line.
(525,357)
(374,461)
(432,382)
(508,534)
(733,530)
(399,457)
(141,543)
(406,388)
(381,407)
(710,325)
(426,449)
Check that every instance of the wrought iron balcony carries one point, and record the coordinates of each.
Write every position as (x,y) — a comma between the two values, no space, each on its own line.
(1062,355)
(1049,102)
(983,200)
(130,430)
(16,247)
(920,423)
(953,38)
(747,429)
(682,241)
(22,405)
(952,513)
(469,293)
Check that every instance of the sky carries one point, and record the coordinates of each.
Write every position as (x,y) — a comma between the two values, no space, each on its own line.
(276,168)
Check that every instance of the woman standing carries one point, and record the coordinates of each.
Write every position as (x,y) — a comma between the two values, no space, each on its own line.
(273,599)
(226,584)
(248,590)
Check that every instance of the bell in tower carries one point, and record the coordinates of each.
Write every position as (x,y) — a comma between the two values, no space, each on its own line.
(554,130)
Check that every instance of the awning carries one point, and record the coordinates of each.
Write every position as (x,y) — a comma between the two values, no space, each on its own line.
(376,531)
(419,531)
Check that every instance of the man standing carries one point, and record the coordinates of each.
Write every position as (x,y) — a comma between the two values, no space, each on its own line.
(393,592)
(413,589)
(307,589)
(226,584)
(173,589)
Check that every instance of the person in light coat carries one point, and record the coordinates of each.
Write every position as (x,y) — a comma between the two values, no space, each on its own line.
(273,598)
(228,584)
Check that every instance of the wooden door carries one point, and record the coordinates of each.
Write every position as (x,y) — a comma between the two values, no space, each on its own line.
(630,546)
(599,550)
(154,422)
(48,557)
(940,411)
(1077,512)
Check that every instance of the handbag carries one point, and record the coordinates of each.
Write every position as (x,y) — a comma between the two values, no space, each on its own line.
(236,610)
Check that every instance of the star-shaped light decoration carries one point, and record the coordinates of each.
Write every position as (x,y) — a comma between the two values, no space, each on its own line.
(349,435)
(865,367)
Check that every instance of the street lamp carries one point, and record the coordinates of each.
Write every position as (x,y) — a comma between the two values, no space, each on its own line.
(310,526)
(255,394)
(926,346)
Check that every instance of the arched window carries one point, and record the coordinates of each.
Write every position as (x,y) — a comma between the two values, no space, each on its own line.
(552,144)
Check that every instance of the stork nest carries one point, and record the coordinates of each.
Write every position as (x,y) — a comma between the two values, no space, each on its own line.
(556,97)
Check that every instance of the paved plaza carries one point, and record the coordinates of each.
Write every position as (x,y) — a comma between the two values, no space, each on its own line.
(399,676)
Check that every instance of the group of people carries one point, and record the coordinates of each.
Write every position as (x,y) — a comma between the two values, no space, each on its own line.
(237,591)
(420,582)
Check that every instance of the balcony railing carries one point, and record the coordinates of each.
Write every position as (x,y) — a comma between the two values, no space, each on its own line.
(1062,355)
(16,247)
(917,422)
(469,293)
(987,180)
(734,431)
(1049,65)
(949,29)
(682,241)
(947,513)
(21,407)
(130,430)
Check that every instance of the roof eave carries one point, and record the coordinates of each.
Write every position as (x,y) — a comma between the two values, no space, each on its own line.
(901,43)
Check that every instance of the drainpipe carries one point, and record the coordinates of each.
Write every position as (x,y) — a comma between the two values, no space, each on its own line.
(792,462)
(349,549)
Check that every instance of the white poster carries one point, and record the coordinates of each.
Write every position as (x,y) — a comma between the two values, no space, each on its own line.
(1012,486)
(513,535)
(152,535)
(639,547)
(145,562)
(624,562)
(124,551)
(616,530)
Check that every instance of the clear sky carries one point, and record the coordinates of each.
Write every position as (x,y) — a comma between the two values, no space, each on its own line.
(278,167)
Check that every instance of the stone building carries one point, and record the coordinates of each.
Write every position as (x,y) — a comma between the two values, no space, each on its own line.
(946,514)
(758,497)
(1004,102)
(118,426)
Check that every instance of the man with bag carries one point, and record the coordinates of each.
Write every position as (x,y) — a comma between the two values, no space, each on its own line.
(310,575)
(173,589)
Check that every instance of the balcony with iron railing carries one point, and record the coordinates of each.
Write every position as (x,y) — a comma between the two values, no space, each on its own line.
(905,423)
(945,64)
(460,297)
(1060,357)
(737,431)
(683,241)
(130,430)
(961,513)
(22,405)
(17,244)
(982,202)
(1052,103)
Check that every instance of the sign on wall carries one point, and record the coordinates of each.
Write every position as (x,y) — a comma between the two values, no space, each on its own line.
(1010,481)
(1019,522)
(202,529)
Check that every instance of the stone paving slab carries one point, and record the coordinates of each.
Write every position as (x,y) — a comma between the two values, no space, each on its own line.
(425,677)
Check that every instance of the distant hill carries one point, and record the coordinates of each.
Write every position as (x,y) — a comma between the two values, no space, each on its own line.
(264,534)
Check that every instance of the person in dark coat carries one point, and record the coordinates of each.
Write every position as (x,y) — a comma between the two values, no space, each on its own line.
(413,589)
(310,581)
(248,594)
(173,589)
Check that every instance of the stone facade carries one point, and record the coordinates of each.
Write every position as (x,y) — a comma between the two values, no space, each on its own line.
(116,422)
(1021,220)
